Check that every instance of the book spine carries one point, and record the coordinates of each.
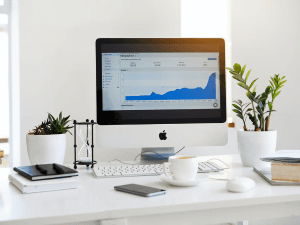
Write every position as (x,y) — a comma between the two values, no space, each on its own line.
(51,187)
(16,183)
(22,173)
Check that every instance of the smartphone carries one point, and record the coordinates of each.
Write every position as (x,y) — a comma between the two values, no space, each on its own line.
(141,190)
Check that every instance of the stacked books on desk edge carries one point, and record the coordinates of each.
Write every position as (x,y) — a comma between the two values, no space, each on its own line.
(265,173)
(284,170)
(29,179)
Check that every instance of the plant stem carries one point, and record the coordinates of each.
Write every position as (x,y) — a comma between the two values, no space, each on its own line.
(255,119)
(245,128)
(268,121)
(269,117)
(267,124)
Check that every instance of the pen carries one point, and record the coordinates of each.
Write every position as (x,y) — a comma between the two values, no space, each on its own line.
(39,168)
(58,169)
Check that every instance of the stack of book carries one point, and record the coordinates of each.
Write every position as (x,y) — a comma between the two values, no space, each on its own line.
(285,172)
(284,169)
(43,177)
(1,156)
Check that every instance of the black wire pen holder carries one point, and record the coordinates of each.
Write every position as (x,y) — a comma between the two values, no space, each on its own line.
(87,124)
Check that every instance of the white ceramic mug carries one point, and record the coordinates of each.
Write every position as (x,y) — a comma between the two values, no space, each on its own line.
(182,167)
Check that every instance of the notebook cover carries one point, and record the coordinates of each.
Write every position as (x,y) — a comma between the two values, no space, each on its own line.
(31,173)
(283,156)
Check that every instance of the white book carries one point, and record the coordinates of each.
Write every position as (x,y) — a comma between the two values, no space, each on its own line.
(28,186)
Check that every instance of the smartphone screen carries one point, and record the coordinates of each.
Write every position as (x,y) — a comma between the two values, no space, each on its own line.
(140,190)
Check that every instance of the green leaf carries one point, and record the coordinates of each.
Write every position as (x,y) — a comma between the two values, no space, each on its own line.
(237,67)
(243,70)
(249,95)
(259,116)
(240,116)
(282,82)
(251,118)
(243,85)
(238,78)
(236,111)
(269,111)
(272,85)
(247,76)
(236,106)
(246,105)
(252,83)
(275,82)
(50,117)
(277,94)
(57,125)
(254,89)
(278,89)
(236,101)
(235,73)
(268,90)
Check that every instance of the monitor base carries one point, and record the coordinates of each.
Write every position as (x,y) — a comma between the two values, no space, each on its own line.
(149,156)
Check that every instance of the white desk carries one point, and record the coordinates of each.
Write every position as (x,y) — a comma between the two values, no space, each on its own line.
(95,199)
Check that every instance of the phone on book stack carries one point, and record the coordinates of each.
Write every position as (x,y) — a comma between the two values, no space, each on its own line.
(45,171)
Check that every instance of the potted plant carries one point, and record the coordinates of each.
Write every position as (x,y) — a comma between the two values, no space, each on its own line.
(47,142)
(256,143)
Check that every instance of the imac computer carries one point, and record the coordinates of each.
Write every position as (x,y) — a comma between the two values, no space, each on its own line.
(160,93)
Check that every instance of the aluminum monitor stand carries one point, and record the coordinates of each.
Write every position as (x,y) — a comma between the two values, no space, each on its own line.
(149,156)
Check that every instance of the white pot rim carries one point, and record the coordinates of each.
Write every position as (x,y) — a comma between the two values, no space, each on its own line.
(44,135)
(242,130)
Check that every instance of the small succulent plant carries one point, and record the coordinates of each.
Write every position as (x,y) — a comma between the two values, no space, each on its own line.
(257,112)
(52,126)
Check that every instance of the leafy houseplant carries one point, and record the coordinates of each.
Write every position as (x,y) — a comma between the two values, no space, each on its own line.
(258,109)
(52,126)
(47,142)
(255,145)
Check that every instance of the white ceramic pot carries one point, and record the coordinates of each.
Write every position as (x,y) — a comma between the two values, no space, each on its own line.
(254,145)
(43,149)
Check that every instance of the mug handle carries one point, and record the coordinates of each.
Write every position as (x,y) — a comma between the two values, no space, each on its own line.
(168,174)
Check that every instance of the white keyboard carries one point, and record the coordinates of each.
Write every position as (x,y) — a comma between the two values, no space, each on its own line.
(145,170)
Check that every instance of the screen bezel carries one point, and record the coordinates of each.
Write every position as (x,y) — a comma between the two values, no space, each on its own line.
(126,117)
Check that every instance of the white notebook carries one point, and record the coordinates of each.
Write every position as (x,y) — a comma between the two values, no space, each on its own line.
(28,186)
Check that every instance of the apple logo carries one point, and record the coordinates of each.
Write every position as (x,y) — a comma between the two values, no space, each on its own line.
(163,136)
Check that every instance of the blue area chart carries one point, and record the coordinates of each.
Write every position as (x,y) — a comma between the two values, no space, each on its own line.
(209,92)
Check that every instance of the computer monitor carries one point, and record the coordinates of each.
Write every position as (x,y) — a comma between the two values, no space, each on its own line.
(160,92)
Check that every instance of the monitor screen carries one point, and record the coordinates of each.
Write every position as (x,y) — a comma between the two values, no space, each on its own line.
(145,81)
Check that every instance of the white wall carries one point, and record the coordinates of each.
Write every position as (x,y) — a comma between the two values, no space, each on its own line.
(57,54)
(265,37)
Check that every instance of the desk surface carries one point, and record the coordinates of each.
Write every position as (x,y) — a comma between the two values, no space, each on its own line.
(96,199)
